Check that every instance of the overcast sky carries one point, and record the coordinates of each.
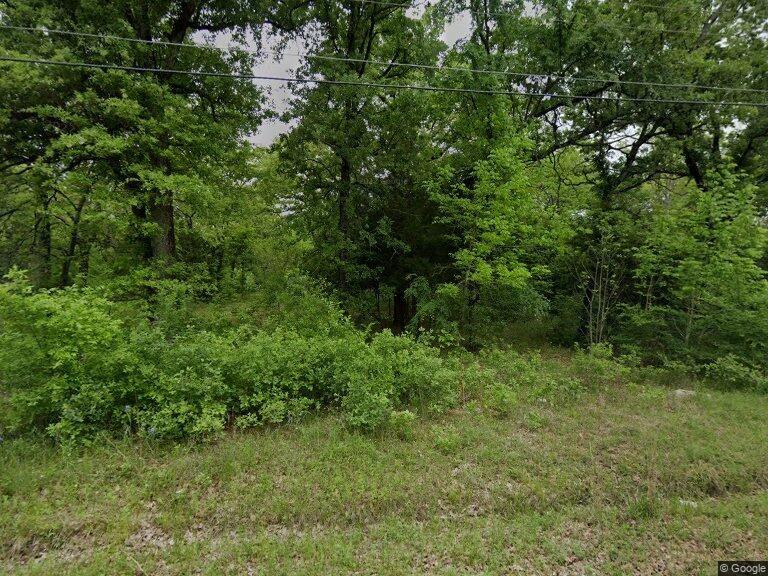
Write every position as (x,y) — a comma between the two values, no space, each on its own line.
(279,93)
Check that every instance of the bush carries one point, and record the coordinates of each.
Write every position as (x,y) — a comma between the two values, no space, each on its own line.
(70,366)
(556,388)
(515,376)
(728,373)
(474,380)
(671,373)
(513,368)
(63,359)
(509,377)
(597,366)
(401,423)
(421,377)
(500,400)
(448,440)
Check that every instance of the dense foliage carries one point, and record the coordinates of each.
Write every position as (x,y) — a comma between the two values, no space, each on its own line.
(77,365)
(165,276)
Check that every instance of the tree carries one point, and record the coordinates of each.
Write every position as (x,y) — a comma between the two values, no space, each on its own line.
(703,294)
(359,152)
(160,143)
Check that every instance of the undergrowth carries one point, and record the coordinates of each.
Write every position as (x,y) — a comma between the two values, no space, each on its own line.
(77,364)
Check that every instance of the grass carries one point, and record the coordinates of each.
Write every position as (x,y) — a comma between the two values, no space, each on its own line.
(624,481)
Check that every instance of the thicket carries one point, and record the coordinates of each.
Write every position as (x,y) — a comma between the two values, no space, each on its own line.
(75,365)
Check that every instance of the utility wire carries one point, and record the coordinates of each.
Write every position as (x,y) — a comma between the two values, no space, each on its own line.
(536,75)
(603,25)
(393,4)
(598,5)
(427,4)
(423,87)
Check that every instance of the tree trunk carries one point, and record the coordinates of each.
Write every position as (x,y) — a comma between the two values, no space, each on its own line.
(472,300)
(400,311)
(344,188)
(85,261)
(159,209)
(218,272)
(164,236)
(694,167)
(43,240)
(64,279)
(377,294)
(143,240)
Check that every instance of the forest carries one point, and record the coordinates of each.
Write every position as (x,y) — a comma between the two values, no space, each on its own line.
(439,227)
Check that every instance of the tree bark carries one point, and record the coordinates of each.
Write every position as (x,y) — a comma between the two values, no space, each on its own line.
(43,240)
(164,236)
(64,279)
(344,188)
(85,261)
(143,240)
(694,168)
(399,311)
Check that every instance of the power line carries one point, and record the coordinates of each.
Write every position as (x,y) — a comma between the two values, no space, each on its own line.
(604,25)
(423,87)
(382,3)
(420,2)
(108,36)
(496,13)
(540,75)
(536,75)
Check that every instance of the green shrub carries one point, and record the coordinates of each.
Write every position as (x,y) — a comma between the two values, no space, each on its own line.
(557,387)
(671,373)
(513,368)
(72,367)
(728,373)
(401,423)
(448,440)
(301,305)
(271,372)
(596,366)
(474,379)
(182,404)
(528,377)
(64,360)
(181,389)
(367,380)
(368,398)
(500,399)
(421,377)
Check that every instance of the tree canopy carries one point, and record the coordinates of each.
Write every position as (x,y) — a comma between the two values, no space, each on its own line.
(595,169)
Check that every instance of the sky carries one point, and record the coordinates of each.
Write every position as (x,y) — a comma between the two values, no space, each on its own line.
(279,93)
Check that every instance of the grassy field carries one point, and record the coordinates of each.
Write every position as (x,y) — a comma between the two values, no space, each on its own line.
(628,481)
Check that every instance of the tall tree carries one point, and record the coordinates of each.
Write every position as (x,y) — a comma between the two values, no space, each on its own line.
(359,151)
(159,142)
